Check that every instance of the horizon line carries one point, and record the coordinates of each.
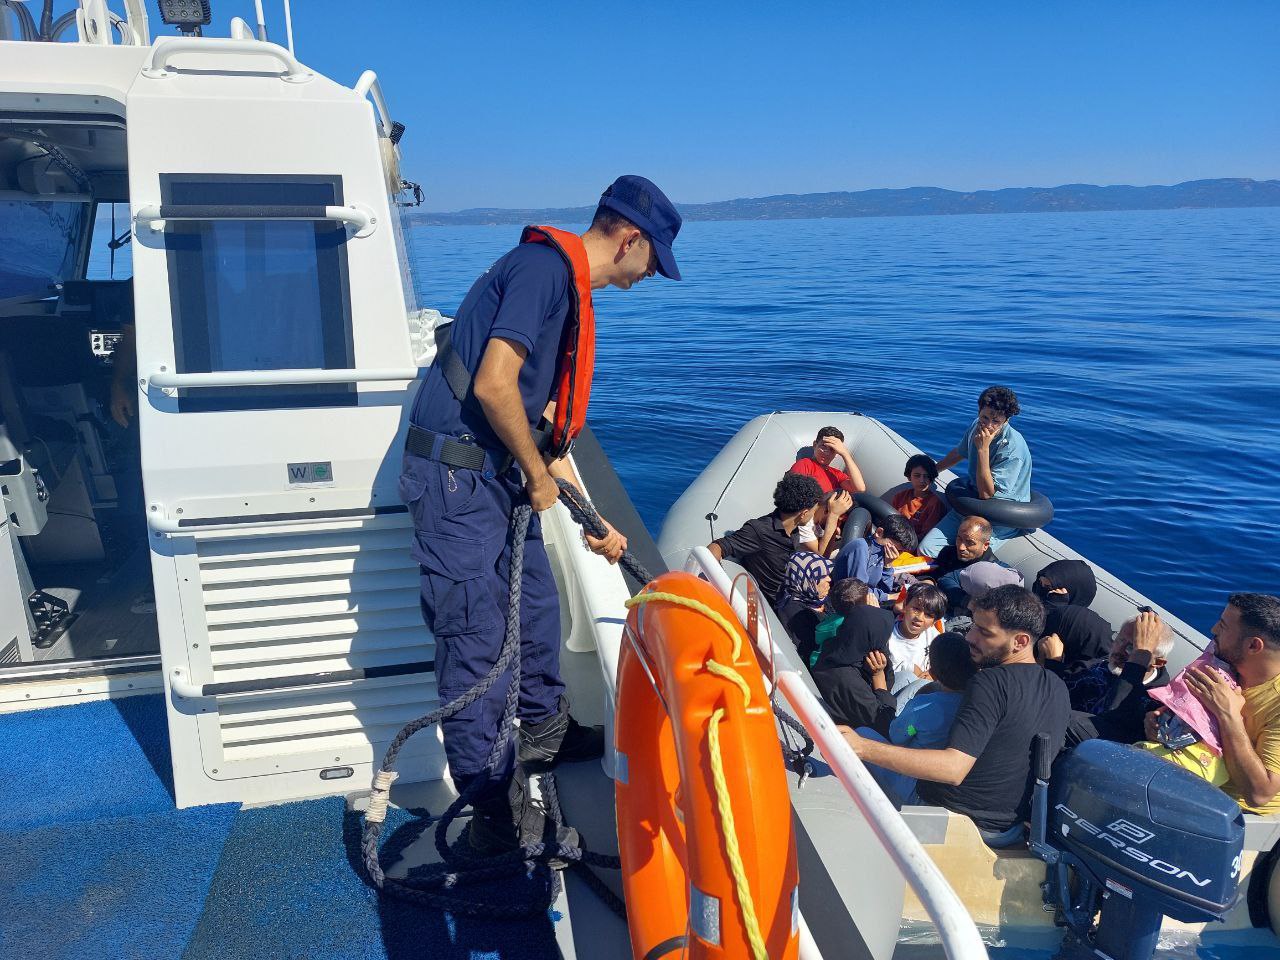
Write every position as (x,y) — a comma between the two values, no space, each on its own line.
(827,193)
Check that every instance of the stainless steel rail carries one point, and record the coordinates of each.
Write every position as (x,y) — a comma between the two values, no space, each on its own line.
(182,685)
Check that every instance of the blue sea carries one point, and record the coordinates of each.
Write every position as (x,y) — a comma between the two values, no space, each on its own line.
(1144,346)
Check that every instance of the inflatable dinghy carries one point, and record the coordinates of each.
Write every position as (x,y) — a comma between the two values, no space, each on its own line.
(1002,889)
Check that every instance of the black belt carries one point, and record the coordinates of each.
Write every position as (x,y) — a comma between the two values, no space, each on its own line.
(452,452)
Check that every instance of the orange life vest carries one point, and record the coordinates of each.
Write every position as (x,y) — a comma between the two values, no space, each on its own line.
(577,343)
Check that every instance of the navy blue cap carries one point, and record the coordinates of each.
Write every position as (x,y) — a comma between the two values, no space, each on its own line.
(641,202)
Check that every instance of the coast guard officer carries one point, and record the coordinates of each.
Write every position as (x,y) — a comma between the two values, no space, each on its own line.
(491,426)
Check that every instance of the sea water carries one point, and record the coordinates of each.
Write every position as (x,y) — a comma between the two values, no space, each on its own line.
(1144,348)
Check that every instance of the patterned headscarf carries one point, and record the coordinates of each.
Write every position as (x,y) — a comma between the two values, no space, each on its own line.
(805,570)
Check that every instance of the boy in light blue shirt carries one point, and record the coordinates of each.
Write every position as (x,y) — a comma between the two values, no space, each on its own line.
(999,465)
(871,559)
(925,720)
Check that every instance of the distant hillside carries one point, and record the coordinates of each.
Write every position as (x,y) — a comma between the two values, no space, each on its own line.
(921,201)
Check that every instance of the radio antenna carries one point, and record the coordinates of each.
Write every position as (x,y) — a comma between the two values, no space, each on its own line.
(288,26)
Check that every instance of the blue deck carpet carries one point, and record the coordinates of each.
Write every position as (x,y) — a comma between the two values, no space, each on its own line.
(95,862)
(92,761)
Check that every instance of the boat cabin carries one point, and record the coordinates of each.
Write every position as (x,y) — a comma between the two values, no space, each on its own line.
(249,314)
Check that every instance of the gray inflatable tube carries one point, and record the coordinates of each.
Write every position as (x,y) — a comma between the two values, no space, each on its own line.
(964,500)
(878,507)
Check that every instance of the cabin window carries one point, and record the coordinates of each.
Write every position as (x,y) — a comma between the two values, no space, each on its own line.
(39,245)
(110,221)
(259,294)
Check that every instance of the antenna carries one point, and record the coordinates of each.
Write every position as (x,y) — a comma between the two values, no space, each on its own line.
(262,23)
(288,27)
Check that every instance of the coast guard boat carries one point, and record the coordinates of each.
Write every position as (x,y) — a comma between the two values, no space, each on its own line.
(200,672)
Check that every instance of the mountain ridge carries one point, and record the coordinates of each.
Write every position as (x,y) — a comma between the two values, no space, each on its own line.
(1224,192)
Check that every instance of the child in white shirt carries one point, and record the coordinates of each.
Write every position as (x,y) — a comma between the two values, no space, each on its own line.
(922,610)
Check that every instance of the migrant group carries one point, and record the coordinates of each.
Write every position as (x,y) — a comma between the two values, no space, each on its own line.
(941,680)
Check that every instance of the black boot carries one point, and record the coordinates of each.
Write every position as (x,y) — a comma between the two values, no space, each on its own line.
(492,829)
(534,821)
(558,739)
(501,824)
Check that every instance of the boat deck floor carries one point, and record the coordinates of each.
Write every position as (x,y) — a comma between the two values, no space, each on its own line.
(115,603)
(99,865)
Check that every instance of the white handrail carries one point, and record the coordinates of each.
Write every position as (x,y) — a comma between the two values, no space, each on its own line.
(368,86)
(182,686)
(155,215)
(161,524)
(956,929)
(165,379)
(157,67)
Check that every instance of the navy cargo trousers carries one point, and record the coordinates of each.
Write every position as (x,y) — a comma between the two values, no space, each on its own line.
(462,522)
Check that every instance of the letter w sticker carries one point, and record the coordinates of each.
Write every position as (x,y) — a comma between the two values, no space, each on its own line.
(320,473)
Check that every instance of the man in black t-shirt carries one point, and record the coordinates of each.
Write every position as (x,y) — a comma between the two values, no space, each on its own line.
(986,770)
(764,545)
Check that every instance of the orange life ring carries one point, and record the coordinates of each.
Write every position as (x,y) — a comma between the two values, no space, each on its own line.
(678,873)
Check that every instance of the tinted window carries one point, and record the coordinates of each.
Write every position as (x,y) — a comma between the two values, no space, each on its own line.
(259,294)
(110,220)
(39,245)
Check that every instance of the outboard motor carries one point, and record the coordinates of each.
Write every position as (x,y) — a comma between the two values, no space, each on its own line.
(1130,838)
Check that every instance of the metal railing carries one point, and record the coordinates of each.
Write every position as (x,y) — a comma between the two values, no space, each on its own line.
(368,86)
(956,929)
(162,523)
(181,684)
(162,378)
(157,67)
(156,215)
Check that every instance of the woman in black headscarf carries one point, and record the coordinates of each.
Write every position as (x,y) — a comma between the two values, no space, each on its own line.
(841,673)
(1067,587)
(1066,582)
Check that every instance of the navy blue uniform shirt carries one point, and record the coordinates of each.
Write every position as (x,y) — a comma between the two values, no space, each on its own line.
(523,297)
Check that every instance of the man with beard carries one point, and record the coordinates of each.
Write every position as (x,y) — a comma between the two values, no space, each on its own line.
(986,771)
(1247,636)
(973,545)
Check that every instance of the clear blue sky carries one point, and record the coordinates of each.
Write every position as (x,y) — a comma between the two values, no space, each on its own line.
(542,104)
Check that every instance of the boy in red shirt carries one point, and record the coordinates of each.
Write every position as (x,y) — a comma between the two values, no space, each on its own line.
(828,445)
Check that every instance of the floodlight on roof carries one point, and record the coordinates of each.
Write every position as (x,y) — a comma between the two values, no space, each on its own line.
(187,15)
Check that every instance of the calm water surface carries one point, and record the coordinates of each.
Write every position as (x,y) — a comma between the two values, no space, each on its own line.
(1144,346)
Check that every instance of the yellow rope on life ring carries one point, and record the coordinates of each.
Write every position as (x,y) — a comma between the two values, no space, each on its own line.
(724,805)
